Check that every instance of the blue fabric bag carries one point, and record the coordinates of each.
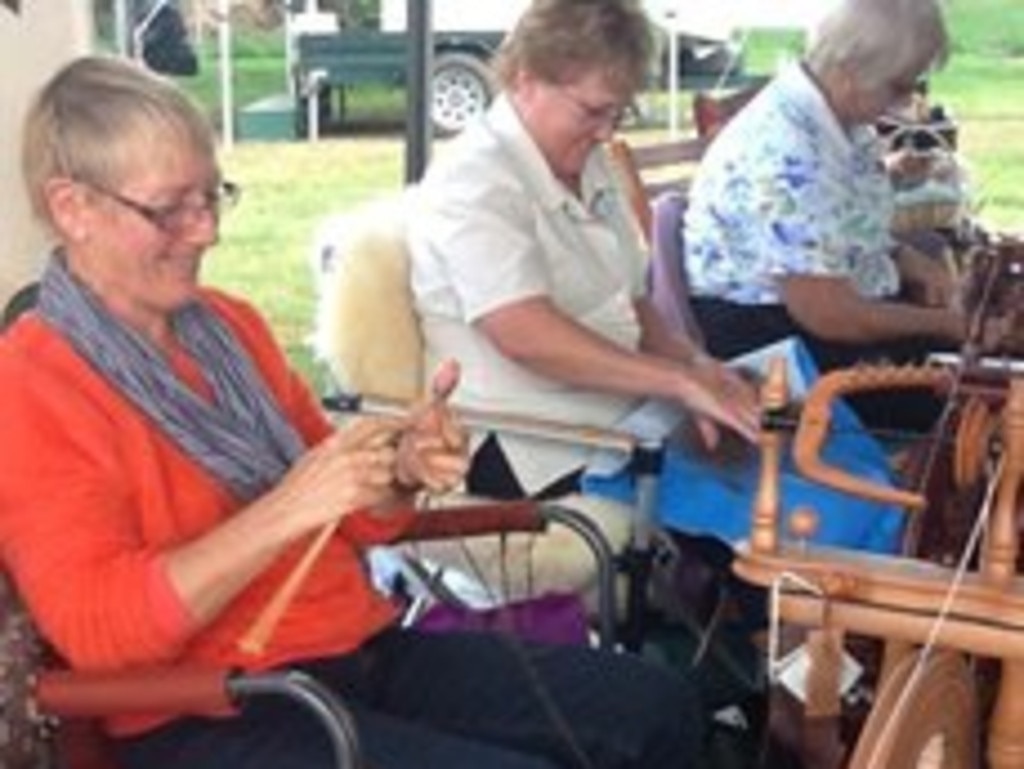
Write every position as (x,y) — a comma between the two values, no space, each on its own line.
(696,496)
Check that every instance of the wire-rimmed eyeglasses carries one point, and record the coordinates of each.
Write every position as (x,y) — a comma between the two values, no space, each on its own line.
(610,115)
(174,218)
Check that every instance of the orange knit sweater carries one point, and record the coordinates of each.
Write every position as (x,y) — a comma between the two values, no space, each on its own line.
(91,495)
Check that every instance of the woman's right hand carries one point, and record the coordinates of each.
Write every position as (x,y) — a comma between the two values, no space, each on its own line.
(350,470)
(717,395)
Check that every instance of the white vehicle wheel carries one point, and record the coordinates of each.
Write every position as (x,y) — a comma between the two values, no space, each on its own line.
(462,89)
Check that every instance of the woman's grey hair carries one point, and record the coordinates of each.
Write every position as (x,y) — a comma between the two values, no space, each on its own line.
(880,40)
(98,117)
(559,41)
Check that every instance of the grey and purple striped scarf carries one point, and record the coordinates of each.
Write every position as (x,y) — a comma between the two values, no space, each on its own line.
(241,437)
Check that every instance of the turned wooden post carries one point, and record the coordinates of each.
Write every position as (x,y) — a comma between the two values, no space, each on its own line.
(822,747)
(1006,739)
(774,396)
(1000,559)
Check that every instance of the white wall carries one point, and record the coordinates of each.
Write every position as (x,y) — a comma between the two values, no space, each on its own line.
(35,41)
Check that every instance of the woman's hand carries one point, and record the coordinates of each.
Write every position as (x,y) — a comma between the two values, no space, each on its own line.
(352,469)
(929,279)
(999,333)
(718,395)
(433,449)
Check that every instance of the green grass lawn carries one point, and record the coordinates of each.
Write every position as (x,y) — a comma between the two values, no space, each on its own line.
(288,189)
(292,186)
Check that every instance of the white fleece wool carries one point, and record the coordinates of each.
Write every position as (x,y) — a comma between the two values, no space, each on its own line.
(366,329)
(367,334)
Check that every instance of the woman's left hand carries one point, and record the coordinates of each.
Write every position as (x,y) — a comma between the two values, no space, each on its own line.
(433,450)
(931,281)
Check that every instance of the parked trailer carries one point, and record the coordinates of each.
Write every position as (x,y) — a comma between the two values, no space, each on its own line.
(327,64)
(329,57)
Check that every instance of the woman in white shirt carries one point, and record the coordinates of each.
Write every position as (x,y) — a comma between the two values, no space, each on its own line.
(525,262)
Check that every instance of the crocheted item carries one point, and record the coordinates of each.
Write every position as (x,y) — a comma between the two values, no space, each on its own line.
(24,743)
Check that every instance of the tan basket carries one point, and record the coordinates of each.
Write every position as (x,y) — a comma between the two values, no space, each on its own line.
(927,216)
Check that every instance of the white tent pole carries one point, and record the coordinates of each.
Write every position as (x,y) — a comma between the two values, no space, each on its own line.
(121,27)
(227,97)
(289,51)
(673,75)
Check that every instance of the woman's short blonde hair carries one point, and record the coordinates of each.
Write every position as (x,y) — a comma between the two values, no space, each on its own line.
(559,41)
(100,116)
(879,41)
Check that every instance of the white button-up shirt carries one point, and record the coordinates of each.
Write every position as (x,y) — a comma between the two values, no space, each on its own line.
(491,225)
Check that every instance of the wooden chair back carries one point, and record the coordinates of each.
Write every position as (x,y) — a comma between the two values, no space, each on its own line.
(713,109)
(648,170)
(656,178)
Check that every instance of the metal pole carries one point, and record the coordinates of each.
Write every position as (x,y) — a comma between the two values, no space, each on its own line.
(638,559)
(673,76)
(122,27)
(227,96)
(418,129)
(289,52)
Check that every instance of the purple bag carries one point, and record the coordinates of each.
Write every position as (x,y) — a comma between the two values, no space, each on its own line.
(552,618)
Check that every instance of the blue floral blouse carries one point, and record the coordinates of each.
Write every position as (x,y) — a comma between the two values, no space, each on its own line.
(785,190)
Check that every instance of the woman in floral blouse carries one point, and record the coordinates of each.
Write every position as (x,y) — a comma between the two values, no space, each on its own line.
(788,228)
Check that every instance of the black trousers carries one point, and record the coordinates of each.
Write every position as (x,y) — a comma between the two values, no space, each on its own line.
(458,701)
(732,329)
(491,475)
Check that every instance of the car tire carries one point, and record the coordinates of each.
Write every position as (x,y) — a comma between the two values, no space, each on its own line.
(461,88)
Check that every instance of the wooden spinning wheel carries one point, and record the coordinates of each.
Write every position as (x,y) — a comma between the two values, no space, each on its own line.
(971,607)
(932,727)
(970,448)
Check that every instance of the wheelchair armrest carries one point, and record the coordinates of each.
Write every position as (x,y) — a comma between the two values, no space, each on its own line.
(145,690)
(527,516)
(191,690)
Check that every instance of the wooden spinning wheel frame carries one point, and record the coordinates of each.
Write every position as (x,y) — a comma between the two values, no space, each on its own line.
(976,427)
(950,614)
(939,731)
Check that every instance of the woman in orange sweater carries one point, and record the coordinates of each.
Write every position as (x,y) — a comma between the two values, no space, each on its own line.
(164,469)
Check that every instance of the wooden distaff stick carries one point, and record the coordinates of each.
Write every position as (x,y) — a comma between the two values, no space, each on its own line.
(255,639)
(259,633)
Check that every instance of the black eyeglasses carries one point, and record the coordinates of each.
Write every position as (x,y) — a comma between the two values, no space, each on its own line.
(175,218)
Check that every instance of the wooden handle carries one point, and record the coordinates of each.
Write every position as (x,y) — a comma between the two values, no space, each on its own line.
(505,422)
(255,639)
(816,417)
